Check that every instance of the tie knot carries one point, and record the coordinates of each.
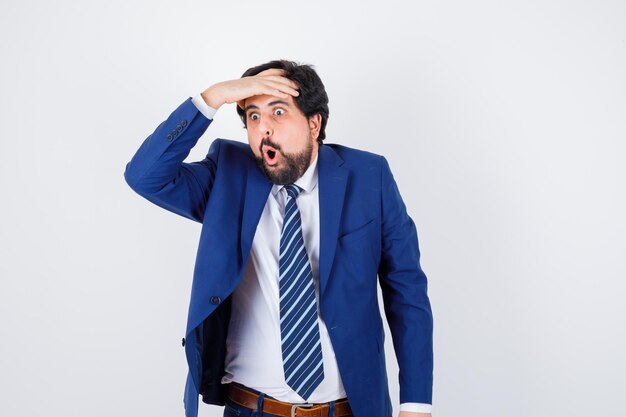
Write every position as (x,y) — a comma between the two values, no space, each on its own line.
(293,190)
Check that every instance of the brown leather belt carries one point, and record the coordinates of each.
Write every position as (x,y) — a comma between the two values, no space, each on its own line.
(249,399)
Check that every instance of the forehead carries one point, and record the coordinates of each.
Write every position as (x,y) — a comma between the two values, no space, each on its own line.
(268,101)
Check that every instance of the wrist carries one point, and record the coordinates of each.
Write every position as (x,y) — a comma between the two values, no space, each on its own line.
(212,98)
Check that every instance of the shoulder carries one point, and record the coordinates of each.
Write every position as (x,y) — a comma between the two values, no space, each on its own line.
(228,148)
(356,158)
(348,154)
(230,144)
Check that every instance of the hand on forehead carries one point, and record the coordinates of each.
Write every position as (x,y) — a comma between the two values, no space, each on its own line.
(275,75)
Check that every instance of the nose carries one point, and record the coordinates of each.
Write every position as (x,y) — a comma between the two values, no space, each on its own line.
(265,127)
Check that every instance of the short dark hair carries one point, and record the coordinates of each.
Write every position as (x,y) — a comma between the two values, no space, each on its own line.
(312,98)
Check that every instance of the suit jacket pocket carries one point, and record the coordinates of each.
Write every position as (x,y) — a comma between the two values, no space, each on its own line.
(357,233)
(358,244)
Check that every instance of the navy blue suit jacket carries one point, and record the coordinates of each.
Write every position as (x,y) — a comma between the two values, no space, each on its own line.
(366,238)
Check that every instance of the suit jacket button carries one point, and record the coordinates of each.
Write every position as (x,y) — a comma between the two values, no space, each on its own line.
(174,132)
(183,342)
(215,299)
(169,137)
(184,123)
(179,128)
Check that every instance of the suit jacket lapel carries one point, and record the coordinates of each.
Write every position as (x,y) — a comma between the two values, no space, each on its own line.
(258,188)
(332,182)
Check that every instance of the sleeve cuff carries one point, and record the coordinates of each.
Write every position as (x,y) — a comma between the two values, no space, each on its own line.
(416,407)
(205,109)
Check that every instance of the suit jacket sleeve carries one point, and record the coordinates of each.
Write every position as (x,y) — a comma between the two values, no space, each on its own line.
(404,290)
(158,173)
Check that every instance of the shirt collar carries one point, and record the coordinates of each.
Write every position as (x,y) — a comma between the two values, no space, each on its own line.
(307,181)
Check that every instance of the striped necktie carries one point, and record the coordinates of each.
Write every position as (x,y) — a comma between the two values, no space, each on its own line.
(299,330)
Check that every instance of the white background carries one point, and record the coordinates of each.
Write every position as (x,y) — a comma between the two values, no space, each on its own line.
(503,122)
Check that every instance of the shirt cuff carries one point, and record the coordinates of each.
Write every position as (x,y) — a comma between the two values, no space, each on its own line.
(416,407)
(205,109)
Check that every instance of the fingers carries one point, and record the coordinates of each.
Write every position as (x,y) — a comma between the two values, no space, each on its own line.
(276,90)
(283,85)
(278,87)
(286,81)
(278,75)
(269,82)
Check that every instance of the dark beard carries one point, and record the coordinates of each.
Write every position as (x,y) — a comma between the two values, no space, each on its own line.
(296,164)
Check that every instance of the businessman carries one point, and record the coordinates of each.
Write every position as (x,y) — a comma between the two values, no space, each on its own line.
(296,236)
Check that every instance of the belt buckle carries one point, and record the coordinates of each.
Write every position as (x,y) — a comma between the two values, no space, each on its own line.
(295,406)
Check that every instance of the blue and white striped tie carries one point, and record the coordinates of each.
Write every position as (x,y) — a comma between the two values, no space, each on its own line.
(299,331)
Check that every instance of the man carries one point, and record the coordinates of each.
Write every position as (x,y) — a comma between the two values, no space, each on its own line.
(284,310)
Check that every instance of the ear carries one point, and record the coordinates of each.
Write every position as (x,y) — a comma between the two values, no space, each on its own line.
(315,124)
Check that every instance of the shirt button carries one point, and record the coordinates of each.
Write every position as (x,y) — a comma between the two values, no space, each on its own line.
(215,299)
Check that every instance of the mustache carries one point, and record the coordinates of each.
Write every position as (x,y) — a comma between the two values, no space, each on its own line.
(266,141)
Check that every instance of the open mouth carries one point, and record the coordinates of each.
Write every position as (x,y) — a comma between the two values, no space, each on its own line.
(270,155)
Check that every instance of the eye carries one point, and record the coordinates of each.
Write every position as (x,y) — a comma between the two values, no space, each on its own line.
(253,116)
(279,112)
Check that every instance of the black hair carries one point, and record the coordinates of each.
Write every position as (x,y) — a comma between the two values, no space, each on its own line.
(312,98)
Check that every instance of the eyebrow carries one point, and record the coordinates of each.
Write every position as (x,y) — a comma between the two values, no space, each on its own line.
(272,103)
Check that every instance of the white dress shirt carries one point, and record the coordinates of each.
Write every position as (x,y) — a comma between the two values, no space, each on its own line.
(254,353)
